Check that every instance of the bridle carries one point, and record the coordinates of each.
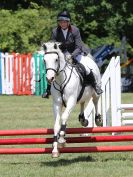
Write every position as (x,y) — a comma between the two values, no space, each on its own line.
(57,71)
(58,68)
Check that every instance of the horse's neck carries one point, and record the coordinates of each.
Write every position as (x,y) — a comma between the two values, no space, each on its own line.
(65,71)
(62,61)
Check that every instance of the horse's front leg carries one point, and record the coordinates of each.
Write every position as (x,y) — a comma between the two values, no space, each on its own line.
(69,107)
(57,112)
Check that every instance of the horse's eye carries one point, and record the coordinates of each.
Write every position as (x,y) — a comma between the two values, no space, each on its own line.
(56,60)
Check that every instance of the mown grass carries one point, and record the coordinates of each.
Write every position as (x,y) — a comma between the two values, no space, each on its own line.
(24,112)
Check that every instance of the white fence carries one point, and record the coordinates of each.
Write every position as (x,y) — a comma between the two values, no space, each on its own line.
(110,101)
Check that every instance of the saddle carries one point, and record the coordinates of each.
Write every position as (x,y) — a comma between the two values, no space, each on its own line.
(84,78)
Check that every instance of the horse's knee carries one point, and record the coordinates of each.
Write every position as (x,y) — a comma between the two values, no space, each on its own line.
(64,118)
(57,127)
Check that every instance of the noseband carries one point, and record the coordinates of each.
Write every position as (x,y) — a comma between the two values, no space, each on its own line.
(57,70)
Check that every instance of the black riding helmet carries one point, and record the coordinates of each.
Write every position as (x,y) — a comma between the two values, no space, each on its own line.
(64,15)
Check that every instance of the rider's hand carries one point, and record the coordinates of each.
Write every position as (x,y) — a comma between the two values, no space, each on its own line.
(68,57)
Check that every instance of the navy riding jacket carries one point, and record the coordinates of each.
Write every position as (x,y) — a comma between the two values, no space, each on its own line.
(73,42)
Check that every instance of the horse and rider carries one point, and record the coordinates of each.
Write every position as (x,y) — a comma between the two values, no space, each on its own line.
(69,85)
(68,89)
(73,48)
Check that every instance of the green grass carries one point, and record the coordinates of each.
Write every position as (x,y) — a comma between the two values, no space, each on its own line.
(24,112)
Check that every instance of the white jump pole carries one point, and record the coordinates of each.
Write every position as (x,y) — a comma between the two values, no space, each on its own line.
(116,92)
(126,107)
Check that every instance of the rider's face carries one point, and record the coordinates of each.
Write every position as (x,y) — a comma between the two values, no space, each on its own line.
(64,24)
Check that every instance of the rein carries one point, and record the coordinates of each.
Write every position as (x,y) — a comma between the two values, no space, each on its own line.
(62,88)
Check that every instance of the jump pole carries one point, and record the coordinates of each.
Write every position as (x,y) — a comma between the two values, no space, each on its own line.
(90,139)
(68,131)
(90,149)
(13,151)
(128,107)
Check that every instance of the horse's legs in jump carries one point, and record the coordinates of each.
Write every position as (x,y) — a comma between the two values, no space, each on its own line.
(57,112)
(98,119)
(69,107)
(84,122)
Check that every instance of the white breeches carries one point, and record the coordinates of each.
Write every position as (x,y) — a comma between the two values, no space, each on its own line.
(89,65)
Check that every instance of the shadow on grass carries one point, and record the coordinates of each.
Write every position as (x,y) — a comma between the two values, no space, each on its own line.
(65,162)
(54,162)
(88,159)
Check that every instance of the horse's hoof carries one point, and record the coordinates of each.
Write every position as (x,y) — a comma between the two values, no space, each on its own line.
(55,154)
(61,142)
(98,120)
(61,145)
(98,123)
(85,123)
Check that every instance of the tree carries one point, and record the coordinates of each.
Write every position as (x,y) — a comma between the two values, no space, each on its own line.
(24,30)
(101,21)
(25,23)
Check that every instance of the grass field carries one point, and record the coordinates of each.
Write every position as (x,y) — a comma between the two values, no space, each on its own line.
(19,112)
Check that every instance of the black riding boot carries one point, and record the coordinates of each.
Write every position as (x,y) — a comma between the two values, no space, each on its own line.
(47,93)
(94,84)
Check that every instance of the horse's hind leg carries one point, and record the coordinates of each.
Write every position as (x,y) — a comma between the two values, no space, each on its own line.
(98,119)
(84,122)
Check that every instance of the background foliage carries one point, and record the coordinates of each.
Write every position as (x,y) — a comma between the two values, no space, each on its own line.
(24,24)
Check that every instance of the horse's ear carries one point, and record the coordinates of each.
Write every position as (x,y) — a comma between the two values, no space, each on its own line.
(61,47)
(44,47)
(55,46)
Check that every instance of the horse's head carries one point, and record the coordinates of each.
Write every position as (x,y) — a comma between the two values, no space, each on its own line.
(52,56)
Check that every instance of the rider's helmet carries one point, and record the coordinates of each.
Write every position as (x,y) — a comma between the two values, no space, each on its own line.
(64,15)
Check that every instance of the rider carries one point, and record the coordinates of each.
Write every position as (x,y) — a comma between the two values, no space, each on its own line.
(72,45)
